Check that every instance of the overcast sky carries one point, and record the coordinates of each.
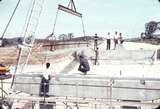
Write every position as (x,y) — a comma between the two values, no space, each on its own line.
(99,16)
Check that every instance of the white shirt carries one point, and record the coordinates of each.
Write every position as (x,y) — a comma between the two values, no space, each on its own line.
(108,36)
(46,73)
(116,36)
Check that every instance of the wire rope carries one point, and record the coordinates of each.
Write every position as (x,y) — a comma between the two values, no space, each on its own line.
(83,27)
(55,21)
(27,17)
(10,19)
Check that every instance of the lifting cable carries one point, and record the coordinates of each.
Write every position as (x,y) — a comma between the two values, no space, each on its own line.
(71,10)
(28,17)
(55,21)
(10,19)
(83,27)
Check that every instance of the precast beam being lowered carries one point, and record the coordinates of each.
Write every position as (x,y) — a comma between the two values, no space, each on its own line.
(68,10)
(71,9)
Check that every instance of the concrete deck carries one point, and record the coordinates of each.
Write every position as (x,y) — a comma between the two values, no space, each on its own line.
(121,75)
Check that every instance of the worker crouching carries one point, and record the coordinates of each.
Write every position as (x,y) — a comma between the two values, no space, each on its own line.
(84,65)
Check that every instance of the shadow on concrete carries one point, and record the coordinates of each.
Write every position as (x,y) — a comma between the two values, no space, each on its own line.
(70,67)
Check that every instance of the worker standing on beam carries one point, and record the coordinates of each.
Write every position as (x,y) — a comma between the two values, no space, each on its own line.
(115,40)
(121,40)
(108,41)
(95,41)
(96,49)
(96,56)
(46,77)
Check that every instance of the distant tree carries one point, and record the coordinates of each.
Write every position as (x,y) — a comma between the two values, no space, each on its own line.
(63,37)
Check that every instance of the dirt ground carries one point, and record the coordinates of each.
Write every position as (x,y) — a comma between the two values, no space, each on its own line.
(9,55)
(39,54)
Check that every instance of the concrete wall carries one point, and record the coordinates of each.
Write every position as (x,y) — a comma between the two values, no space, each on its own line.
(91,87)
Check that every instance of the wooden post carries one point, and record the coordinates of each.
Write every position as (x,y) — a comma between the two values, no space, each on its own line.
(2,88)
(155,56)
(1,104)
(96,49)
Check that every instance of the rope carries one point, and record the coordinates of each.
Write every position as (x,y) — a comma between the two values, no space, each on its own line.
(10,19)
(29,9)
(29,19)
(85,38)
(83,27)
(52,35)
(55,21)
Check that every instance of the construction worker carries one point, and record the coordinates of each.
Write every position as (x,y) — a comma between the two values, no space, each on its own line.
(121,38)
(95,41)
(44,89)
(115,40)
(96,56)
(84,65)
(108,41)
